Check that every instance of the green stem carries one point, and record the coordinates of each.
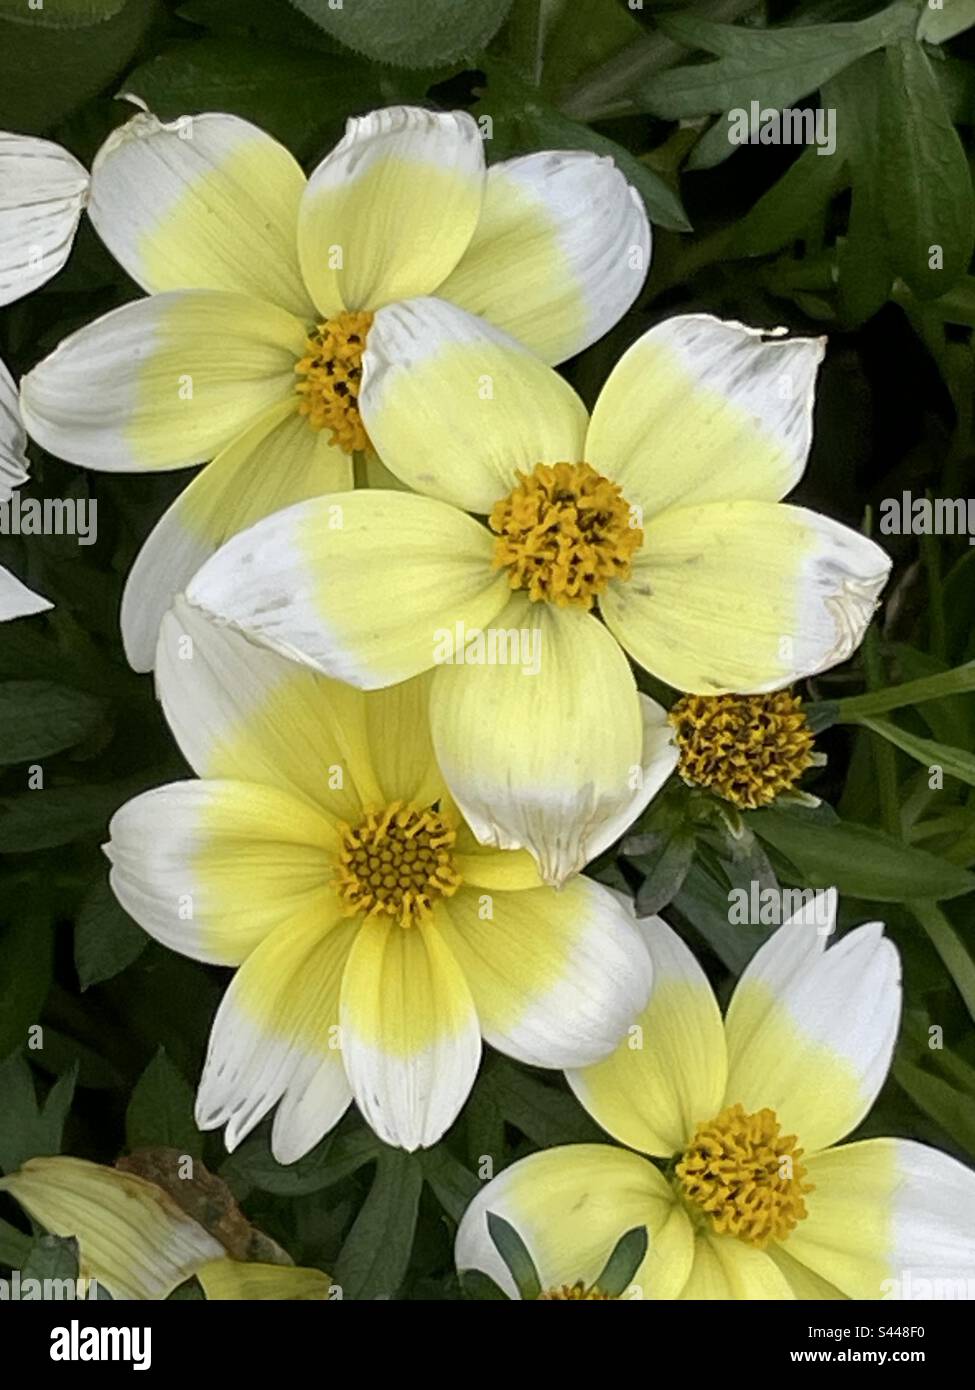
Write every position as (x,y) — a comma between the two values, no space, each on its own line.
(950,948)
(884,757)
(959,681)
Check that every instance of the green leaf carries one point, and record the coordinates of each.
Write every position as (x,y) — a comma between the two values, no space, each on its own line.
(38,718)
(516,1256)
(959,681)
(15,1246)
(31,1130)
(545,1115)
(46,818)
(664,860)
(790,205)
(334,1158)
(54,1258)
(58,57)
(26,961)
(858,860)
(160,1113)
(774,67)
(454,1186)
(951,1108)
(925,184)
(299,97)
(106,940)
(626,1258)
(374,1257)
(950,18)
(480,1287)
(955,761)
(950,947)
(410,33)
(61,14)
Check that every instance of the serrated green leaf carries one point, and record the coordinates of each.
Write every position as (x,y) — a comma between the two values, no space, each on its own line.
(774,67)
(409,33)
(301,98)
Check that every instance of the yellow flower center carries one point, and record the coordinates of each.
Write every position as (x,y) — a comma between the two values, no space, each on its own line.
(564,532)
(747,748)
(746,1176)
(576,1290)
(329,373)
(395,862)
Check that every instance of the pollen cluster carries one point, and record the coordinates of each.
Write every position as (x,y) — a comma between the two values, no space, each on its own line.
(747,748)
(576,1290)
(395,863)
(745,1176)
(563,533)
(329,376)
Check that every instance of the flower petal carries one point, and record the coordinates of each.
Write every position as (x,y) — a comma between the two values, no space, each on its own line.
(276,1036)
(210,868)
(556,976)
(16,600)
(889,1218)
(668,1073)
(247,1282)
(455,407)
(570,1205)
(725,1268)
(357,585)
(277,462)
(745,596)
(410,1037)
(132,1238)
(42,194)
(206,202)
(811,1032)
(13,438)
(390,211)
(240,711)
(523,739)
(560,252)
(699,410)
(163,382)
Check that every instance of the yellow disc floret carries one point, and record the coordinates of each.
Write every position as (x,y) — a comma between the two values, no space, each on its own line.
(747,748)
(330,373)
(576,1290)
(563,533)
(745,1175)
(396,862)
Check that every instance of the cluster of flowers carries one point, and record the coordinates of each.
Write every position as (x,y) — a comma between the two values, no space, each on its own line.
(387,846)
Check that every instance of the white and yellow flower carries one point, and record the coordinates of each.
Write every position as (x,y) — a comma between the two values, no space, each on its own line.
(375,940)
(16,600)
(42,194)
(265,288)
(758,1199)
(137,1243)
(663,510)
